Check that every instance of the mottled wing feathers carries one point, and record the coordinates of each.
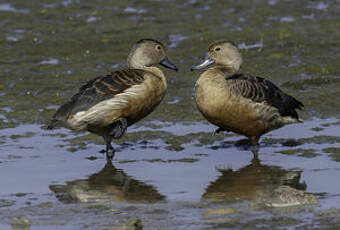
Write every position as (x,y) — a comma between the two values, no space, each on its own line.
(99,89)
(114,83)
(259,89)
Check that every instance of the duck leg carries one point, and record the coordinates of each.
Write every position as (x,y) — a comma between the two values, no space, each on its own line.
(118,128)
(255,151)
(255,145)
(110,151)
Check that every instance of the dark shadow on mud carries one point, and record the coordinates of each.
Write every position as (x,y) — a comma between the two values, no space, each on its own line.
(244,144)
(108,185)
(261,184)
(139,145)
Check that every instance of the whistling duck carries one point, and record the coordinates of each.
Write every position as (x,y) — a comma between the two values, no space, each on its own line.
(107,105)
(240,102)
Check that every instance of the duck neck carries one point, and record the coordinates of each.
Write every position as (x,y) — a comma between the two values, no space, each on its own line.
(134,61)
(153,69)
(156,71)
(225,69)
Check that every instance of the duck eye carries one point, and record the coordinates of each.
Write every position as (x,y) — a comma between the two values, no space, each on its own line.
(158,47)
(218,49)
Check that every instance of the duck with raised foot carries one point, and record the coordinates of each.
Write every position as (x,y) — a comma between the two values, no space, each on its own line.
(240,102)
(107,105)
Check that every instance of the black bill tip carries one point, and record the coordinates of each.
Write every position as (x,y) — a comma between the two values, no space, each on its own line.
(193,68)
(168,64)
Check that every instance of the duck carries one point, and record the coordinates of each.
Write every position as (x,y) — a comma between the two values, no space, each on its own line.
(107,105)
(239,102)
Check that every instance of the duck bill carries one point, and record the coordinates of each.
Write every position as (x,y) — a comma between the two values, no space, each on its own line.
(207,61)
(168,64)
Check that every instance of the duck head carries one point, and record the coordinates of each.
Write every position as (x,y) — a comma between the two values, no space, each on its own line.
(222,54)
(149,52)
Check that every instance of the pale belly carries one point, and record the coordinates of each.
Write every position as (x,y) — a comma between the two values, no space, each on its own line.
(133,104)
(141,108)
(230,113)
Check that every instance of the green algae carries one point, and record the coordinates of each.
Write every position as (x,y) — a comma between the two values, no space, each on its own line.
(172,141)
(6,203)
(330,212)
(28,134)
(156,211)
(333,152)
(158,160)
(20,194)
(82,54)
(317,129)
(98,206)
(308,153)
(127,161)
(321,139)
(184,160)
(46,205)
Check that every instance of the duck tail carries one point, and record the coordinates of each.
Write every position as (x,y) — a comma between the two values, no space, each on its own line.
(52,124)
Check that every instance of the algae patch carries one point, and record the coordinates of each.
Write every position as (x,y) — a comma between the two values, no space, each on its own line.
(333,152)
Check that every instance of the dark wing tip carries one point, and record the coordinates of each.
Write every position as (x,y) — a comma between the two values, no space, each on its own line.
(300,104)
(261,89)
(289,105)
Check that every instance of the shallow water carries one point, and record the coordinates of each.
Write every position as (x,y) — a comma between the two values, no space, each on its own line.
(169,170)
(145,176)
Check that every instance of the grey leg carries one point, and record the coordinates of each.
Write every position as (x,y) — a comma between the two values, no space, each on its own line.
(255,151)
(110,151)
(254,140)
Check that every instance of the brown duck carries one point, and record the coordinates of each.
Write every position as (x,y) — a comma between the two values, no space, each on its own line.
(107,105)
(240,102)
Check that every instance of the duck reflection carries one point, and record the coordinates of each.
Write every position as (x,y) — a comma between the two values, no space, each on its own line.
(108,185)
(261,184)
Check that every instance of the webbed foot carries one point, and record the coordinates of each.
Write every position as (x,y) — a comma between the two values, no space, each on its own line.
(110,151)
